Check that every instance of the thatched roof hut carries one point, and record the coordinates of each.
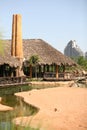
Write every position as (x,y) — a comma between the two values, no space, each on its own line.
(47,54)
(45,51)
(5,57)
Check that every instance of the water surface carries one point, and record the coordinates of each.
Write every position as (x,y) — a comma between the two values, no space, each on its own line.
(20,108)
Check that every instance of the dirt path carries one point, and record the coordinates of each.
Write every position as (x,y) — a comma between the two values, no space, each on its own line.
(61,108)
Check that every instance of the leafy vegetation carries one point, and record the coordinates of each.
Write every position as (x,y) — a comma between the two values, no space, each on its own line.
(15,127)
(33,61)
(81,61)
(1,45)
(30,66)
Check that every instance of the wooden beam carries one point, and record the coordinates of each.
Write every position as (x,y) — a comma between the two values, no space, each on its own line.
(56,71)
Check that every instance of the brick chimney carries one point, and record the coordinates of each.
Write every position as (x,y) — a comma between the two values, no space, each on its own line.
(16,46)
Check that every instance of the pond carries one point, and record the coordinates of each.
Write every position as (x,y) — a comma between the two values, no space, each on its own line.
(20,108)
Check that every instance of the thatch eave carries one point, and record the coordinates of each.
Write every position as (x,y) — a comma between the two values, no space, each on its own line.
(47,54)
(11,61)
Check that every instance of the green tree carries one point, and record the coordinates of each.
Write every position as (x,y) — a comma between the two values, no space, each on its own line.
(33,61)
(82,62)
(1,45)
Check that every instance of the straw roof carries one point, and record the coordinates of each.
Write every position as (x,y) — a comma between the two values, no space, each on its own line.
(46,53)
(5,57)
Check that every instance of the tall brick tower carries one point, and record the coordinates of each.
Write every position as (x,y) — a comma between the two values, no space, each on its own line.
(16,46)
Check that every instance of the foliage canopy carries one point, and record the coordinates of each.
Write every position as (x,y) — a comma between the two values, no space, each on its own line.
(81,61)
(1,45)
(34,59)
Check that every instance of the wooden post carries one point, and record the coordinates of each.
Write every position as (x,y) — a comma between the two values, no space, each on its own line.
(12,74)
(64,71)
(39,72)
(56,71)
(47,68)
(17,72)
(30,71)
(43,68)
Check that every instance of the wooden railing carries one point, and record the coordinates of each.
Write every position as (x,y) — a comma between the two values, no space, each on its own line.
(10,80)
(52,75)
(49,75)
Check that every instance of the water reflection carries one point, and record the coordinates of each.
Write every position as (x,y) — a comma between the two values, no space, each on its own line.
(14,89)
(20,108)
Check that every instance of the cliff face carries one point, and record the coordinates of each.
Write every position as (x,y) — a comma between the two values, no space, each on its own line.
(73,50)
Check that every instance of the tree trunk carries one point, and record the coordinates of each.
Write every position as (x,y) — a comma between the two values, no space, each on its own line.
(30,71)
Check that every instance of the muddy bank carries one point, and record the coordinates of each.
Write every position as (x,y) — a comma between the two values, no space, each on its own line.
(4,107)
(61,108)
(47,84)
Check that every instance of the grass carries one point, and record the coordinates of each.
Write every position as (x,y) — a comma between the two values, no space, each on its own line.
(9,125)
(12,126)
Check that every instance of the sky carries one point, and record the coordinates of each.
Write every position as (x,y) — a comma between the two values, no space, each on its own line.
(55,21)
